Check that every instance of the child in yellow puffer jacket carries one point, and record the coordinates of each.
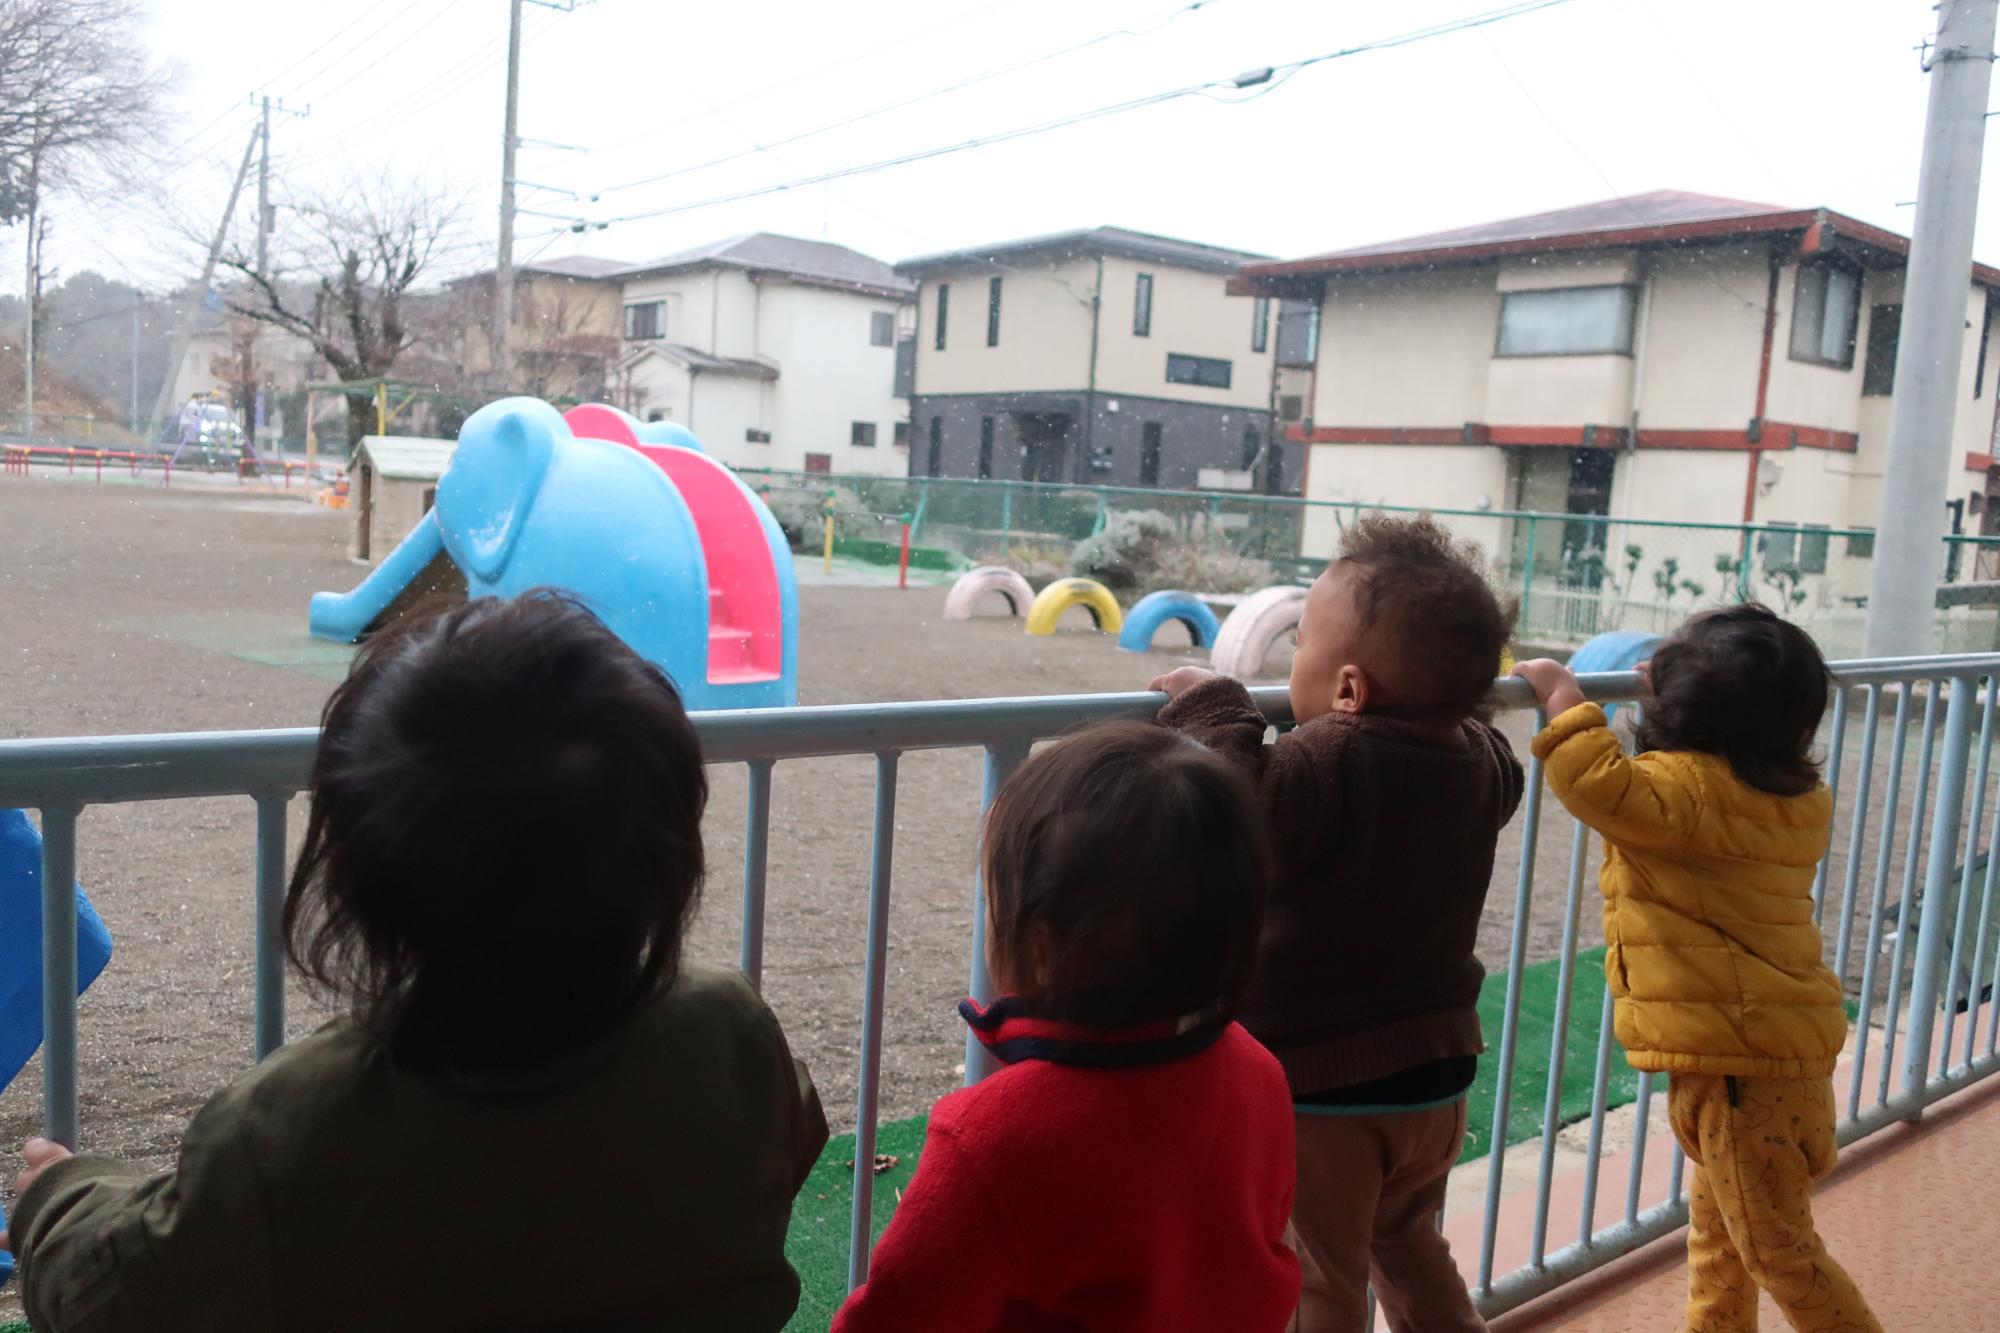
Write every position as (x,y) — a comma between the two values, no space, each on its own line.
(1712,836)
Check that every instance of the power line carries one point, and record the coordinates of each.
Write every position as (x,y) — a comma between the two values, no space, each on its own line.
(949,88)
(449,5)
(1247,80)
(810,75)
(332,36)
(407,7)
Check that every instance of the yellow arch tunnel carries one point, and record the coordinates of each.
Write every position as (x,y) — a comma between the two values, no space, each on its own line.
(1061,595)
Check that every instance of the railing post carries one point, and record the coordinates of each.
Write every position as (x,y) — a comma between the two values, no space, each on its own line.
(270,948)
(1743,566)
(1528,575)
(1002,758)
(1933,933)
(1006,513)
(756,858)
(861,1231)
(59,973)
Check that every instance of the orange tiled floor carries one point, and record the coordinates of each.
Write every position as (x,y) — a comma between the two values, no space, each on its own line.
(1913,1214)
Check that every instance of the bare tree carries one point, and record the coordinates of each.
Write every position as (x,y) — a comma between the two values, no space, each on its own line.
(76,96)
(342,278)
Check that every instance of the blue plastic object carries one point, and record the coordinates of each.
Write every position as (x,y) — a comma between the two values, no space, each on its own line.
(681,560)
(21,942)
(1153,610)
(1615,650)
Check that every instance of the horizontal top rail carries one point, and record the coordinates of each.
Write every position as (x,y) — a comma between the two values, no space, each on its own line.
(100,770)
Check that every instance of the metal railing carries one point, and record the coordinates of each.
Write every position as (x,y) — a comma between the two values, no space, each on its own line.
(1953,965)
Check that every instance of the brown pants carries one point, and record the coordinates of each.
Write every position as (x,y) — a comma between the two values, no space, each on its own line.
(1369,1192)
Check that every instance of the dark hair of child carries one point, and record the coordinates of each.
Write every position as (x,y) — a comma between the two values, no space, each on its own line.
(1744,684)
(1125,874)
(504,845)
(1422,595)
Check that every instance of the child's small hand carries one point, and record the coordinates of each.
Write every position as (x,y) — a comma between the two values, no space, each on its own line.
(40,1154)
(1553,683)
(1182,679)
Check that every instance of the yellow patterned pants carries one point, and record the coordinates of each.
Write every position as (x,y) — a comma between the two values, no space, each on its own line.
(1757,1145)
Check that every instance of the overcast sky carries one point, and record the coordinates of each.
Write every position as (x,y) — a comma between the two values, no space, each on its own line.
(1800,102)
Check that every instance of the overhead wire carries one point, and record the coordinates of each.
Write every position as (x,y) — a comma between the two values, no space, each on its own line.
(1247,80)
(945,90)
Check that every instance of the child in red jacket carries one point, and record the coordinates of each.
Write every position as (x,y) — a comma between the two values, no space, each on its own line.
(1131,1168)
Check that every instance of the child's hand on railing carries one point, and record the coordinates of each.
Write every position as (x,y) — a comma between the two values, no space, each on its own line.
(1182,679)
(1554,684)
(40,1155)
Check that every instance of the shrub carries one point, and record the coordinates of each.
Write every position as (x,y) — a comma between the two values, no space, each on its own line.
(1196,568)
(1126,552)
(1039,563)
(802,513)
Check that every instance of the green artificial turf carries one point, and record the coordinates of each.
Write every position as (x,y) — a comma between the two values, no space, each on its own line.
(817,1245)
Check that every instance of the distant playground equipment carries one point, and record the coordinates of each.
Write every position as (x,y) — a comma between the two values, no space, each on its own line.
(1153,610)
(973,585)
(21,942)
(1615,650)
(1246,637)
(681,560)
(1060,596)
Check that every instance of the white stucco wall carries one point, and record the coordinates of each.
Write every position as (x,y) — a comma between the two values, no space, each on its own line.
(1044,329)
(1701,338)
(690,298)
(1405,349)
(1192,314)
(1559,391)
(1809,394)
(1596,268)
(829,377)
(1434,476)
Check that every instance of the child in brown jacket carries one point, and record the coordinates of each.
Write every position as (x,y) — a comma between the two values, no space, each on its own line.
(1384,804)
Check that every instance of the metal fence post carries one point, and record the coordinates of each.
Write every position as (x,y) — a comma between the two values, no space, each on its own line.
(1002,758)
(1006,513)
(1743,566)
(1528,574)
(270,947)
(1933,934)
(59,973)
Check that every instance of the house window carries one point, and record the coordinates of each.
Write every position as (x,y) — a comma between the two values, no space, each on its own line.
(1142,307)
(985,448)
(937,446)
(1149,454)
(943,309)
(881,329)
(1878,364)
(1208,371)
(646,319)
(1803,548)
(899,435)
(1813,542)
(1567,321)
(1253,444)
(819,462)
(755,436)
(1291,406)
(862,435)
(1861,546)
(1260,323)
(993,312)
(1826,304)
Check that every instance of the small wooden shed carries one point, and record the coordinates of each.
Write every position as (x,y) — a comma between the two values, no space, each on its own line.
(392,482)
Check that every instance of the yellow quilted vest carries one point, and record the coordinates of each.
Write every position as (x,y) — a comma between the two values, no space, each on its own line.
(1712,954)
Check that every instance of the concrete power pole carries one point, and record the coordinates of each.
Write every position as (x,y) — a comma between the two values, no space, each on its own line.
(184,325)
(503,271)
(1909,537)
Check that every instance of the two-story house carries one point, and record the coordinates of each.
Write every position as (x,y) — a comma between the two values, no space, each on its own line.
(775,351)
(1665,356)
(1105,356)
(564,339)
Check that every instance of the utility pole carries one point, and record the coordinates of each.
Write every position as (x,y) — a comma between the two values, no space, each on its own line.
(133,384)
(184,324)
(266,219)
(1909,535)
(503,272)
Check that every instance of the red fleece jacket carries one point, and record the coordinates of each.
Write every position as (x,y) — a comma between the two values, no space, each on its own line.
(1063,1196)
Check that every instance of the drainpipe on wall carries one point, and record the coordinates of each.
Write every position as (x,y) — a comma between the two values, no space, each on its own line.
(1641,338)
(1756,431)
(1085,457)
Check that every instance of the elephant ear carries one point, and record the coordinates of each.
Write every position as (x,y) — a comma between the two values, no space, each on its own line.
(485,496)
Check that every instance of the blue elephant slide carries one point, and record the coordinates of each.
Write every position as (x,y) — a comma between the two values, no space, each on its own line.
(21,953)
(681,559)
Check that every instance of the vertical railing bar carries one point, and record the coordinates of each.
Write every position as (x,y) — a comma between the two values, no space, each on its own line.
(1912,857)
(1600,1093)
(1510,1021)
(1559,1041)
(1857,834)
(1640,1132)
(59,973)
(1884,857)
(1985,905)
(756,865)
(861,1231)
(1676,1165)
(1931,941)
(1968,869)
(1833,756)
(1002,758)
(270,944)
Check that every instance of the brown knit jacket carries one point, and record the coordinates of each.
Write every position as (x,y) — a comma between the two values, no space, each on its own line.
(1382,841)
